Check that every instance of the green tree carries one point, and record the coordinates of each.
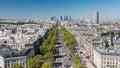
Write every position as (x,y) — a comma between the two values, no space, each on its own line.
(47,64)
(47,49)
(49,56)
(105,33)
(16,66)
(69,39)
(71,47)
(77,62)
(34,62)
(43,49)
(80,66)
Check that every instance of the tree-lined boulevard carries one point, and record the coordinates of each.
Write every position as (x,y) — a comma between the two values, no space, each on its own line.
(56,51)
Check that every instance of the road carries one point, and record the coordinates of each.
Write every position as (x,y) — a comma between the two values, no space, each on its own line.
(88,63)
(64,54)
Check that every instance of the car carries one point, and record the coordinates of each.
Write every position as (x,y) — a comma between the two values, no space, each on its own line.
(58,42)
(69,58)
(81,52)
(57,56)
(64,54)
(84,62)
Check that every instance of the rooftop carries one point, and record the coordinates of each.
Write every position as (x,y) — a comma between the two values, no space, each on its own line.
(114,52)
(7,53)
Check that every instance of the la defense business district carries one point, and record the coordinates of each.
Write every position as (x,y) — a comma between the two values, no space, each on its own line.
(60,42)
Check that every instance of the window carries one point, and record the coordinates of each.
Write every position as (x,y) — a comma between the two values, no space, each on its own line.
(12,61)
(116,63)
(17,60)
(8,65)
(23,63)
(104,62)
(110,62)
(6,61)
(110,59)
(101,66)
(107,62)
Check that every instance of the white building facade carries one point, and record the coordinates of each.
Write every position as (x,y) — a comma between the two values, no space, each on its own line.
(106,59)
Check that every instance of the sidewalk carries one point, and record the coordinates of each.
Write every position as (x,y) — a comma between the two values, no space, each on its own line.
(89,64)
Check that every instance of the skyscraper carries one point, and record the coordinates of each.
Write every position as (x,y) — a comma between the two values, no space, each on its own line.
(65,18)
(61,18)
(96,17)
(53,18)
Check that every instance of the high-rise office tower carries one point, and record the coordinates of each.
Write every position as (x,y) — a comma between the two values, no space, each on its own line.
(53,18)
(70,18)
(61,18)
(96,17)
(65,18)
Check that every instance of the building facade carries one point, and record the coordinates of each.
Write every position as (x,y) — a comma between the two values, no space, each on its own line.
(14,57)
(106,59)
(96,17)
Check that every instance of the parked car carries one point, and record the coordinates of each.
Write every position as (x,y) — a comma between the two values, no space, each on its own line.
(81,51)
(64,54)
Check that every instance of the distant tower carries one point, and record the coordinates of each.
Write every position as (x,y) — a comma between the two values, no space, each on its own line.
(96,17)
(61,18)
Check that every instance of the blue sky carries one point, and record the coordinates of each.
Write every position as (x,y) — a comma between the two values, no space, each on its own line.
(28,9)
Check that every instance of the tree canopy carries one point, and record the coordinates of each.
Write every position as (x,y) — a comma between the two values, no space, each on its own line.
(77,62)
(49,44)
(34,62)
(16,66)
(47,49)
(69,38)
(47,64)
